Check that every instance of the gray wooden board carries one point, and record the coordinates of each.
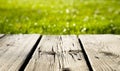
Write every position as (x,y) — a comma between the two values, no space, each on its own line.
(1,35)
(14,50)
(58,53)
(103,51)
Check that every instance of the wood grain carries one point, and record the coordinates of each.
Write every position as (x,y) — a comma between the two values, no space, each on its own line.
(103,51)
(14,50)
(58,53)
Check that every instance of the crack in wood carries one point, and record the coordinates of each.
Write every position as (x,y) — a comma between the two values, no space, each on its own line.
(66,69)
(73,45)
(60,38)
(74,51)
(96,57)
(48,52)
(53,53)
(109,54)
(39,52)
(72,56)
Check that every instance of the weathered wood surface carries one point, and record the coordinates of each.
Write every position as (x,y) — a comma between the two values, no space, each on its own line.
(14,50)
(103,51)
(58,53)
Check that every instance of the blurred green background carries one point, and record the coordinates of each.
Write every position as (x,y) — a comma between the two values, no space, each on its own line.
(60,16)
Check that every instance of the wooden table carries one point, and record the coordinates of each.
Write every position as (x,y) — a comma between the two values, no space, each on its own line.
(34,52)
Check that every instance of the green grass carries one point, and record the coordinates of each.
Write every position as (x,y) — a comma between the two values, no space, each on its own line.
(60,16)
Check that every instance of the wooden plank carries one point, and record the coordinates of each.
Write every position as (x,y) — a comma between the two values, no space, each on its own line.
(58,53)
(118,36)
(14,50)
(103,51)
(1,35)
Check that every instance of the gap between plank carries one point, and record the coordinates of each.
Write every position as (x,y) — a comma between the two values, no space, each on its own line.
(85,56)
(1,36)
(23,66)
